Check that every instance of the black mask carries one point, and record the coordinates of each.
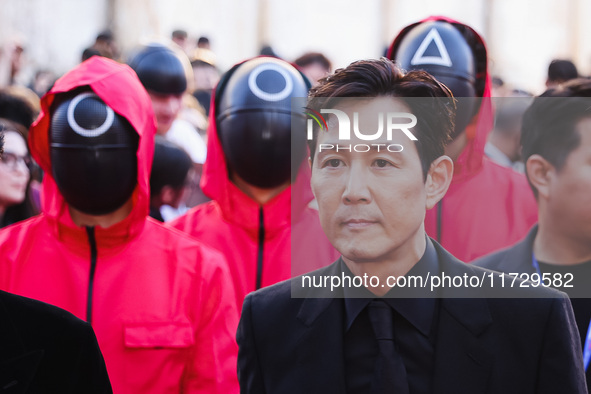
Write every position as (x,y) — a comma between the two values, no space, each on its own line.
(254,121)
(440,49)
(93,153)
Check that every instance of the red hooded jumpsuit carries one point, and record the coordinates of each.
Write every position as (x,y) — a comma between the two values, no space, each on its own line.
(487,206)
(161,304)
(263,244)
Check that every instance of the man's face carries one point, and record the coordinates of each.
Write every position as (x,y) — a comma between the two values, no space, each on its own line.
(570,188)
(371,204)
(166,108)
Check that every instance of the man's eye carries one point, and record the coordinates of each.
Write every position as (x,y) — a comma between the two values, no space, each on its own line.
(382,163)
(332,163)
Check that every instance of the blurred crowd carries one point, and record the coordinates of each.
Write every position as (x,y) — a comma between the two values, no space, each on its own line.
(190,114)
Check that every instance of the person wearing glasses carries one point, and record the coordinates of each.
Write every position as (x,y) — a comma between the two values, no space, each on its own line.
(14,175)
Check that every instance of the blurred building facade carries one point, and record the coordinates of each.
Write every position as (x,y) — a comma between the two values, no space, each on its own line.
(522,35)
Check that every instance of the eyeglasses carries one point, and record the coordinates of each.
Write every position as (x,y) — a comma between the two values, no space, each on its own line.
(12,160)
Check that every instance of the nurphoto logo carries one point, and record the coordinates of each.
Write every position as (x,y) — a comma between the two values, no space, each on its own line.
(391,119)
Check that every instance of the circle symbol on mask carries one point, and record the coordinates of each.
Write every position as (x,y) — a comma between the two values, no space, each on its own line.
(266,96)
(89,132)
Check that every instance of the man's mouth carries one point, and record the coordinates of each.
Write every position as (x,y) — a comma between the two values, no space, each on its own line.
(358,223)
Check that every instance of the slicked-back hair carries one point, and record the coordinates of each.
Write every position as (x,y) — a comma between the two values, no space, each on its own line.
(549,124)
(384,78)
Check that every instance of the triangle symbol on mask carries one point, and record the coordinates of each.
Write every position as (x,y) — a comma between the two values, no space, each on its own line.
(421,57)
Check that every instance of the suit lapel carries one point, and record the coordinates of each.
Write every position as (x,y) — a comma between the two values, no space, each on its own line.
(519,257)
(319,350)
(462,359)
(17,365)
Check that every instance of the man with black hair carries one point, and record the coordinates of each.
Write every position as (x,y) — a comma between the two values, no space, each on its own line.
(378,337)
(556,139)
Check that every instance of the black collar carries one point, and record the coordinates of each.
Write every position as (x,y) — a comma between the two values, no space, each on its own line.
(418,311)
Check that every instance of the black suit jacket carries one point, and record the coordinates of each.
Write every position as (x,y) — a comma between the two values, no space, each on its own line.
(518,259)
(521,345)
(44,349)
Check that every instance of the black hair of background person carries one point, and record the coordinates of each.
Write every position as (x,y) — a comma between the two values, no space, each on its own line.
(560,71)
(312,58)
(556,109)
(203,42)
(87,53)
(170,167)
(16,109)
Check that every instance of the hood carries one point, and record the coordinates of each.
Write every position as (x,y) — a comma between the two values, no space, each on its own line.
(119,87)
(470,160)
(236,206)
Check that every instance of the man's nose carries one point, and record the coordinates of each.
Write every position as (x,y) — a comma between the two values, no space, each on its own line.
(357,188)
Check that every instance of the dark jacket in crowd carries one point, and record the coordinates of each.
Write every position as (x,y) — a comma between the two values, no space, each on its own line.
(44,349)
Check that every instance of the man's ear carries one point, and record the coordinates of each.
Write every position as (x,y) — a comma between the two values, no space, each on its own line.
(539,171)
(438,180)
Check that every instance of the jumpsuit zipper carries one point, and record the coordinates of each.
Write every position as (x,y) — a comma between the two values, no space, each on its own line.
(261,249)
(93,255)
